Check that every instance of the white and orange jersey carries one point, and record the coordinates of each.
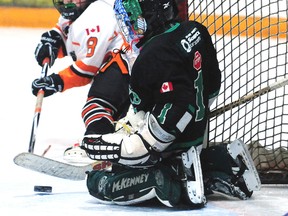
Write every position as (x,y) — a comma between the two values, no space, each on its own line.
(90,40)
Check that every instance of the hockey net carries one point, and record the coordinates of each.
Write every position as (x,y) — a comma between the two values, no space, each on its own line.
(250,37)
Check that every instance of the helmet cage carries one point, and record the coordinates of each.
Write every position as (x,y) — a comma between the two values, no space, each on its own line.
(130,20)
(139,19)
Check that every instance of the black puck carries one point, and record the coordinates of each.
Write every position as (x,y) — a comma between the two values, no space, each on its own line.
(46,189)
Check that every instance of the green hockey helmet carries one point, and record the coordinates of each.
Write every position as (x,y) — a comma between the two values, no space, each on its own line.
(71,9)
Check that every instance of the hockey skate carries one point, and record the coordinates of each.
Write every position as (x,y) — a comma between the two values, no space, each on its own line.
(76,155)
(229,169)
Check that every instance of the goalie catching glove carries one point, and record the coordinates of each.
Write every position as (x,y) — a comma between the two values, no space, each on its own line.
(49,46)
(50,84)
(139,149)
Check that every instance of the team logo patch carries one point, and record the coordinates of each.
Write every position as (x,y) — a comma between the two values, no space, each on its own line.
(134,97)
(191,40)
(197,61)
(102,182)
(166,87)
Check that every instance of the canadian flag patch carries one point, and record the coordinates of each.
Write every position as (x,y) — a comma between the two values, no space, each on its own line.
(92,30)
(166,87)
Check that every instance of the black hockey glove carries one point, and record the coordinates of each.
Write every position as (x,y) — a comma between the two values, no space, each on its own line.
(49,46)
(50,84)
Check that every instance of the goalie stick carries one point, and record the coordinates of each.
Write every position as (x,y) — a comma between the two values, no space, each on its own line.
(57,168)
(249,97)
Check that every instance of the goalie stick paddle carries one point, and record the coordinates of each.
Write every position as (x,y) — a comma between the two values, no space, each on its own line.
(38,107)
(58,169)
(249,97)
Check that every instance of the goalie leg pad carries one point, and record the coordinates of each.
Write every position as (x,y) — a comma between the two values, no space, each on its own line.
(229,169)
(131,186)
(238,150)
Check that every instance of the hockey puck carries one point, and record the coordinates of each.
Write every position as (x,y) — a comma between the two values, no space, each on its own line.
(45,189)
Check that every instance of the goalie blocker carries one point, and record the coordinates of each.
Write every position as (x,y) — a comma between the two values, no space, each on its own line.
(227,169)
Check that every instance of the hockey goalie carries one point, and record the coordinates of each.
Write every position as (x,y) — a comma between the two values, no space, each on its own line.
(173,80)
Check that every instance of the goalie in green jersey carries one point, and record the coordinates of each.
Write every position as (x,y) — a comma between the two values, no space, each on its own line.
(174,80)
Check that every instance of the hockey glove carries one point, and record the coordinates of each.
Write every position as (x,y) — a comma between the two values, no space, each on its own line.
(50,84)
(50,43)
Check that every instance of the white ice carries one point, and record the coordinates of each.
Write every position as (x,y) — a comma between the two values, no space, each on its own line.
(60,126)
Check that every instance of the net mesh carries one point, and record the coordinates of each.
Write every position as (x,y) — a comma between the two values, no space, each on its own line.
(250,37)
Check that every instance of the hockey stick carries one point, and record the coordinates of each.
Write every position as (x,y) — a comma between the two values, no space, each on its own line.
(58,169)
(249,97)
(38,107)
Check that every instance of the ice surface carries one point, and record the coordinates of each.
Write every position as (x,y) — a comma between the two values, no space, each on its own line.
(61,126)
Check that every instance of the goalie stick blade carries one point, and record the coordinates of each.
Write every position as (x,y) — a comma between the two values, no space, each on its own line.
(56,168)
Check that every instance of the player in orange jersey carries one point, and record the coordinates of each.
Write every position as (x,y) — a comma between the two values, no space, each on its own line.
(88,32)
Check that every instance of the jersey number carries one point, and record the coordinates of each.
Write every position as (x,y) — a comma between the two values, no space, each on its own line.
(198,85)
(91,46)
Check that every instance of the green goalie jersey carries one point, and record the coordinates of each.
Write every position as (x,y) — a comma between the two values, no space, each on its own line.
(175,75)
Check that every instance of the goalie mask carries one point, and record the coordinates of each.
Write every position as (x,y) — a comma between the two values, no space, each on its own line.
(71,9)
(139,19)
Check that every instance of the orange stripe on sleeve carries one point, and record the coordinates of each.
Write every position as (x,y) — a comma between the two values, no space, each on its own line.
(71,79)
